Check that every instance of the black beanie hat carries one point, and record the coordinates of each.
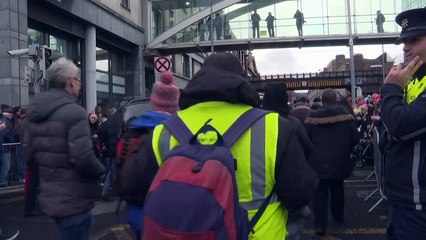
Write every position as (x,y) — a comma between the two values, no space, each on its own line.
(275,97)
(203,86)
(225,61)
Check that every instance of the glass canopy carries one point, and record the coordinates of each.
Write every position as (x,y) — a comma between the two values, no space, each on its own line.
(249,19)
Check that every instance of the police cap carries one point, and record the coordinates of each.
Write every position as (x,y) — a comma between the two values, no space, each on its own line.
(413,23)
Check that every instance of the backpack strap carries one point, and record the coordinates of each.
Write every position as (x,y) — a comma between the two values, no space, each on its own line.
(260,211)
(178,128)
(243,123)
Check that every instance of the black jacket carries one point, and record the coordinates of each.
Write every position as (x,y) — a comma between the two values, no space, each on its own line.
(58,143)
(109,133)
(405,168)
(333,133)
(275,99)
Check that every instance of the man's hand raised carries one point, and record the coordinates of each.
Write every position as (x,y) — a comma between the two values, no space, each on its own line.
(401,76)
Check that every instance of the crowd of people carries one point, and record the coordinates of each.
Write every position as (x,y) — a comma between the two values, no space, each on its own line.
(13,118)
(215,28)
(283,161)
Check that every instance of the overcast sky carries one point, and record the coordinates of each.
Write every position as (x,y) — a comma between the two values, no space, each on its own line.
(313,59)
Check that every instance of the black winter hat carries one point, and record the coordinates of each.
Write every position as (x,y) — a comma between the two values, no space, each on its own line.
(275,97)
(223,68)
(225,61)
(413,23)
(8,110)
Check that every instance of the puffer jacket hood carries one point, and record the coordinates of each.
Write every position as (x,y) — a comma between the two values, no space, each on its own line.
(329,114)
(149,119)
(215,84)
(333,133)
(44,104)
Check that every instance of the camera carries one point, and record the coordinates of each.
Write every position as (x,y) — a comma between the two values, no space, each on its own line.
(18,52)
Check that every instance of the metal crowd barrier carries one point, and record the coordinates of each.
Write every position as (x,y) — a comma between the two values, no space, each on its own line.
(11,158)
(379,163)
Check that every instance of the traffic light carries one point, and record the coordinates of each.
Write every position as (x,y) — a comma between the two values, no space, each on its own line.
(46,61)
(28,74)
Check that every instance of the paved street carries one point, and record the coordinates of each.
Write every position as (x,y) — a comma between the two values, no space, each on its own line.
(359,224)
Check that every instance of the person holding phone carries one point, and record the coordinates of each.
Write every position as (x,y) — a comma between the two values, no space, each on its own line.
(403,112)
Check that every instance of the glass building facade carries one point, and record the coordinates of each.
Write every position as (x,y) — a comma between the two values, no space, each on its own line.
(410,4)
(320,17)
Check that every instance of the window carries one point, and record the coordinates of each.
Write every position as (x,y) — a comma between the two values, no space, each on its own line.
(185,64)
(58,46)
(35,36)
(125,4)
(113,79)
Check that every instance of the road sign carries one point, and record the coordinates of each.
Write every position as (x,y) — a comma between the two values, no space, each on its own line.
(162,64)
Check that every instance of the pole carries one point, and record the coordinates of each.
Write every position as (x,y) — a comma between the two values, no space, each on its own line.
(211,27)
(43,68)
(351,53)
(383,62)
(275,23)
(90,67)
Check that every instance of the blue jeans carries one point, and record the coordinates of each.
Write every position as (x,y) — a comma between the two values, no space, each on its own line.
(110,168)
(406,224)
(4,167)
(75,227)
(135,216)
(296,222)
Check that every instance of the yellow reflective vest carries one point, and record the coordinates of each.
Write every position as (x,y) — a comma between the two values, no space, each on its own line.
(255,154)
(414,88)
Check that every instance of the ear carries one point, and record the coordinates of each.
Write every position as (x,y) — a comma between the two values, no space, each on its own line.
(71,82)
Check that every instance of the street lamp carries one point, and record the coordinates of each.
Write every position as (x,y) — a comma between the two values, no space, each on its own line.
(211,27)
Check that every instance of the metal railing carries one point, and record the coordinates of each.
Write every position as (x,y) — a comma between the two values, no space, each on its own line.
(285,27)
(12,166)
(314,75)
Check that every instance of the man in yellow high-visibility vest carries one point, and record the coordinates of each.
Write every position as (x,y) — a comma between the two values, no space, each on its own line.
(268,155)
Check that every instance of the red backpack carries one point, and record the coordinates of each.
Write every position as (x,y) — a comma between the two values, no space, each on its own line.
(131,143)
(194,195)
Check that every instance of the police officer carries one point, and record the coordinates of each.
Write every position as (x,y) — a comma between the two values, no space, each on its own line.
(404,116)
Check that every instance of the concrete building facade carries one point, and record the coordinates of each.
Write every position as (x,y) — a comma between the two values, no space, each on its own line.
(104,38)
